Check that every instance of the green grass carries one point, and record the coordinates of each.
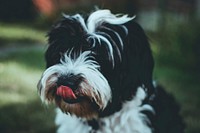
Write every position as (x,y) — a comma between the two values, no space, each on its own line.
(20,33)
(21,110)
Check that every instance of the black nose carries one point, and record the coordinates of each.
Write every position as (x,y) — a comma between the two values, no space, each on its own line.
(71,81)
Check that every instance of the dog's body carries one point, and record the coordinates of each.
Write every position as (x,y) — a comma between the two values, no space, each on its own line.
(99,73)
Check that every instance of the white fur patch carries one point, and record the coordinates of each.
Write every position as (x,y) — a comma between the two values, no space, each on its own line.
(70,123)
(95,20)
(128,120)
(100,16)
(83,66)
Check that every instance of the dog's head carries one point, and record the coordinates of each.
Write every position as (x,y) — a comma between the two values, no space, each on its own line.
(86,65)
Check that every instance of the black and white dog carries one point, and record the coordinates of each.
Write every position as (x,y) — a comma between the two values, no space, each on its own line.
(99,74)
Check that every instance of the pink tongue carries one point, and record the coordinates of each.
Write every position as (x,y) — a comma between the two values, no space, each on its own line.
(65,92)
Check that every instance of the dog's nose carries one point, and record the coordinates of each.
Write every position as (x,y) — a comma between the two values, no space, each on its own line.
(71,81)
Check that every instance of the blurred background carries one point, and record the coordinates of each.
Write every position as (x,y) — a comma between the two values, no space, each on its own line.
(173,28)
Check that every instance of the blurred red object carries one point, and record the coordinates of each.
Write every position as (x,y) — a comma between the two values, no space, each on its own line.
(46,7)
(49,7)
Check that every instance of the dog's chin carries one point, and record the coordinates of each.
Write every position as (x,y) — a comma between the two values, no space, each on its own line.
(86,103)
(83,107)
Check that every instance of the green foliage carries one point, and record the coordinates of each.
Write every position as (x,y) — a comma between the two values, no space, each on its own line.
(178,44)
(176,49)
(184,86)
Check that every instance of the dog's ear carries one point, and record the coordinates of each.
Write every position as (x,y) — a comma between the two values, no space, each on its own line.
(144,60)
(146,70)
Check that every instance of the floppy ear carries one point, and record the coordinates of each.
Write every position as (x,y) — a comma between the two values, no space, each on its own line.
(146,70)
(143,61)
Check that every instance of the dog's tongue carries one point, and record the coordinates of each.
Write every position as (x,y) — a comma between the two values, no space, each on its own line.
(65,92)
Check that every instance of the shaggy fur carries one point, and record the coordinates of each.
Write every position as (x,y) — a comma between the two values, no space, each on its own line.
(102,66)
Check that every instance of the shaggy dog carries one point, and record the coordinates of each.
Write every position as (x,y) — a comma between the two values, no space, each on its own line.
(99,74)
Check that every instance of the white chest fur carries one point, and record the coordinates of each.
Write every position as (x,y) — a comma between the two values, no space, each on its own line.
(128,120)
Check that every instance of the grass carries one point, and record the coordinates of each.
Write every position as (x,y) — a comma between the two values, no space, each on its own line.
(21,110)
(12,33)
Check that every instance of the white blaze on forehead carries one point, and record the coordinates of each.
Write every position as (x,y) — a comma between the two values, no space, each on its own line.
(82,65)
(95,20)
(100,16)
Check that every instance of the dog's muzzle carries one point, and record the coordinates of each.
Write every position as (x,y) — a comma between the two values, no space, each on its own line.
(76,86)
(69,88)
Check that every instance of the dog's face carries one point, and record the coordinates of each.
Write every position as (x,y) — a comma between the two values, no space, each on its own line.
(79,59)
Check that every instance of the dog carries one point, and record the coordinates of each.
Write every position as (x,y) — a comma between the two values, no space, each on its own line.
(99,74)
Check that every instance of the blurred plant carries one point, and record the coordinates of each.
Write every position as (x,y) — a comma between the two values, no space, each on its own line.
(14,34)
(178,44)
